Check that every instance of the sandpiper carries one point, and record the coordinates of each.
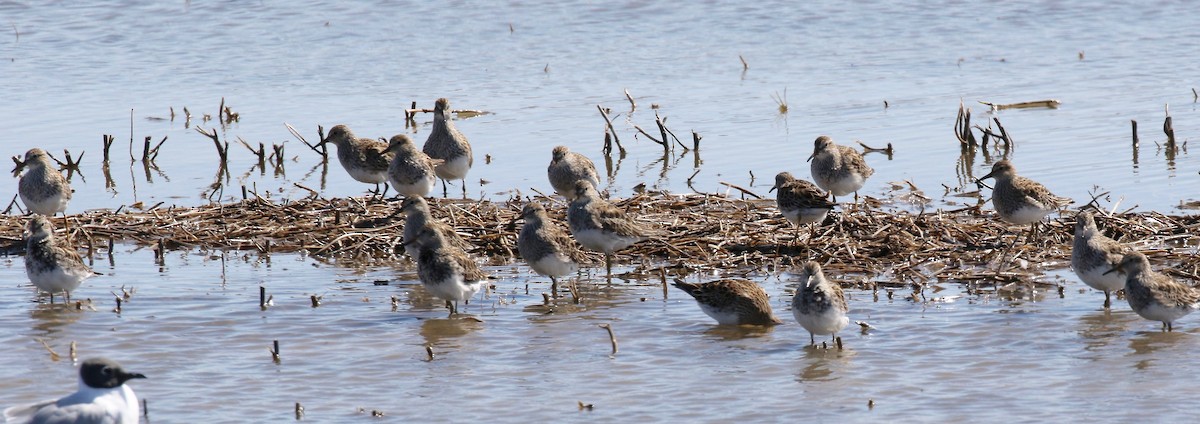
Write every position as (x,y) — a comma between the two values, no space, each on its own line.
(52,264)
(42,188)
(1020,200)
(1093,254)
(838,169)
(800,201)
(546,247)
(364,158)
(445,142)
(1155,296)
(445,270)
(567,167)
(819,305)
(732,301)
(411,171)
(600,226)
(102,398)
(417,217)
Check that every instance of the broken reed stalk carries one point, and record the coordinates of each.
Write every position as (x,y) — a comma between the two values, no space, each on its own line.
(962,126)
(632,104)
(610,131)
(745,66)
(611,337)
(299,411)
(1136,143)
(1169,130)
(222,151)
(261,153)
(108,142)
(118,309)
(275,351)
(321,151)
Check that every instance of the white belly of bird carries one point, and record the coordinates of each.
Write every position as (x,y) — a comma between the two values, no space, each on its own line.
(453,169)
(369,177)
(805,215)
(58,279)
(454,288)
(1096,279)
(1027,215)
(48,206)
(844,186)
(421,188)
(554,266)
(829,322)
(1157,312)
(603,241)
(726,316)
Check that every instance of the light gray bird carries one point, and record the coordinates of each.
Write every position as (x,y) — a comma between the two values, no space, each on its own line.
(567,167)
(445,142)
(1153,295)
(417,217)
(800,201)
(600,226)
(838,169)
(546,247)
(819,304)
(42,188)
(1093,254)
(51,263)
(1019,200)
(411,170)
(445,270)
(102,398)
(365,159)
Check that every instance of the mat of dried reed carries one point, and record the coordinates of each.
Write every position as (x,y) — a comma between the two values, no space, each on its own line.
(885,245)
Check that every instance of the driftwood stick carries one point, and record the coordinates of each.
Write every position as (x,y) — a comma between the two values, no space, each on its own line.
(611,130)
(632,104)
(1136,143)
(1048,103)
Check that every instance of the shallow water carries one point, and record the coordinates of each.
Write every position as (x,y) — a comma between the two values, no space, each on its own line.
(73,72)
(194,327)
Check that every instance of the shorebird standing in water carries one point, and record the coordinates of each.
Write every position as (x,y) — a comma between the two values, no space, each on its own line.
(445,142)
(42,188)
(600,226)
(546,247)
(567,167)
(52,264)
(1155,296)
(417,217)
(411,170)
(838,169)
(819,305)
(1093,254)
(102,398)
(445,270)
(365,159)
(732,301)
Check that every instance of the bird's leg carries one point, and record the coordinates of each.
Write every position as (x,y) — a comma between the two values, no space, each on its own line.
(464,187)
(445,191)
(554,287)
(67,296)
(1107,299)
(812,340)
(608,266)
(51,298)
(1170,327)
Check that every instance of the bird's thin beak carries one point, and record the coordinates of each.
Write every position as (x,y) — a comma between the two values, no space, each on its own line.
(773,188)
(980,179)
(390,148)
(810,157)
(1115,268)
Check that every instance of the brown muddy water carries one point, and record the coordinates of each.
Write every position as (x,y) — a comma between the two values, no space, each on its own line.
(72,72)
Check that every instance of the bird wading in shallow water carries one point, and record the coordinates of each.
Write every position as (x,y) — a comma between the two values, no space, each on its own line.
(446,271)
(1155,296)
(546,247)
(1093,255)
(445,142)
(732,301)
(51,263)
(819,304)
(600,226)
(801,202)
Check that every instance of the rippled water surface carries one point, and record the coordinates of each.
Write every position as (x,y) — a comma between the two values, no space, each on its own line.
(73,72)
